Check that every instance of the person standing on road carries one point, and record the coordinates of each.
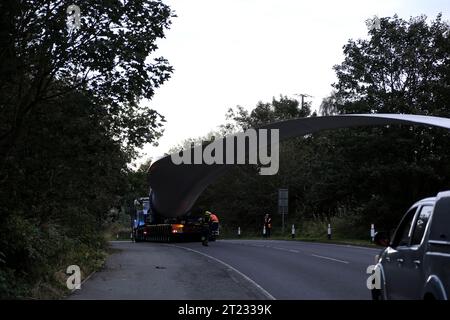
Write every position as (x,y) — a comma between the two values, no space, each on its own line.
(214,226)
(206,221)
(267,225)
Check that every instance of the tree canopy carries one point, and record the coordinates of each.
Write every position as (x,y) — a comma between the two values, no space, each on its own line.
(74,111)
(108,57)
(354,177)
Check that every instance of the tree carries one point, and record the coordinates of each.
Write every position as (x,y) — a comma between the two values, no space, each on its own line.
(108,57)
(72,120)
(64,175)
(244,193)
(329,105)
(355,177)
(403,67)
(264,113)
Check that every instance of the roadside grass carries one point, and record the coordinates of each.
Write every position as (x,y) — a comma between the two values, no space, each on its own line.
(54,286)
(90,259)
(346,230)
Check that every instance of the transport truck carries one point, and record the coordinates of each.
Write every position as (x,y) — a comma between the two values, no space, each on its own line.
(149,226)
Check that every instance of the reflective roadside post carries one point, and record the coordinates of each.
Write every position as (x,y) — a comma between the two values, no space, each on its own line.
(264,231)
(372,232)
(293,232)
(329,232)
(239,232)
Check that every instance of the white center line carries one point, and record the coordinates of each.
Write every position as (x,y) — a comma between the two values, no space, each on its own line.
(328,258)
(278,248)
(284,249)
(263,291)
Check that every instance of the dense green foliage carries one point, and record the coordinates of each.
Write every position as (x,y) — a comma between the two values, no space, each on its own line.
(71,122)
(353,177)
(72,119)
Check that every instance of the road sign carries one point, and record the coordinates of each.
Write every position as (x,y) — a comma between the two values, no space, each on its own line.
(283,201)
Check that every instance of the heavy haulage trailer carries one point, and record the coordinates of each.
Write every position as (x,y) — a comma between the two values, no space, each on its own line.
(149,226)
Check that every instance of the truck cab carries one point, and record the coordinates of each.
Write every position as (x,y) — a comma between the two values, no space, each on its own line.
(416,263)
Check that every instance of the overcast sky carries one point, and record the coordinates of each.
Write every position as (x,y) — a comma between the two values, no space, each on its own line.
(238,52)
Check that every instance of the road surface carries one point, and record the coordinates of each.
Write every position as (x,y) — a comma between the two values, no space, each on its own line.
(232,269)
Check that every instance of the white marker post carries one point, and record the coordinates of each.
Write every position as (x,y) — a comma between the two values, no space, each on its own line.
(293,232)
(329,232)
(264,231)
(239,232)
(372,232)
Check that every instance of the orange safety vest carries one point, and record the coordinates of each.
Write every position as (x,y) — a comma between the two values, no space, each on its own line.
(214,218)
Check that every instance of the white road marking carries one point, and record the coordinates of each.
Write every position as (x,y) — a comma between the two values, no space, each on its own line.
(263,291)
(279,248)
(328,258)
(352,246)
(309,243)
(314,255)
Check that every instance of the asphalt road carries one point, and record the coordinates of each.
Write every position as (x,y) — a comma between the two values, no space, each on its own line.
(232,269)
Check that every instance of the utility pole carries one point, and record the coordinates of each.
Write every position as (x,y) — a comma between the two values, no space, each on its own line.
(303,95)
(283,205)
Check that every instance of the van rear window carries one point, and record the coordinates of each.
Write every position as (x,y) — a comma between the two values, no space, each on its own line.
(440,226)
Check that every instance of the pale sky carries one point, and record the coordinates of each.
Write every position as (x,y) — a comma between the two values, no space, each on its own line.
(238,52)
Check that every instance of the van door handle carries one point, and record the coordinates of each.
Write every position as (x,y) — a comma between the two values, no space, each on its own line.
(400,260)
(417,263)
